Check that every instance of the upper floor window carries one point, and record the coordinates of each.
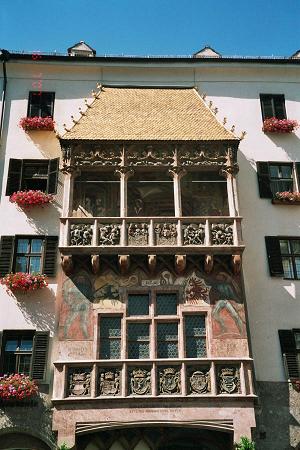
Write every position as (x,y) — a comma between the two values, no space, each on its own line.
(276,177)
(272,105)
(35,174)
(40,104)
(283,256)
(153,325)
(24,352)
(29,254)
(290,348)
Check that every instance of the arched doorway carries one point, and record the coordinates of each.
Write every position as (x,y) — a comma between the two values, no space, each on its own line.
(21,441)
(156,438)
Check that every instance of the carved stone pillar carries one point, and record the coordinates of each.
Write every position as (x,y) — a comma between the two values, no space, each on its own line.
(124,172)
(177,173)
(230,170)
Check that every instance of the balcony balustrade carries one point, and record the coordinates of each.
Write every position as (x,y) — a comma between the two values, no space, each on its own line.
(116,379)
(159,235)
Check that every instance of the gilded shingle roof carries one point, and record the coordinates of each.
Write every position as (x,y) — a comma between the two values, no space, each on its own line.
(149,114)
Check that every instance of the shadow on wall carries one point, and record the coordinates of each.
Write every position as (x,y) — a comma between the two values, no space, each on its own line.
(277,417)
(288,142)
(46,142)
(36,217)
(38,308)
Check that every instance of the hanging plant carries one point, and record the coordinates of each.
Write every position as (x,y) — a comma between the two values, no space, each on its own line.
(273,125)
(37,123)
(28,199)
(17,387)
(24,282)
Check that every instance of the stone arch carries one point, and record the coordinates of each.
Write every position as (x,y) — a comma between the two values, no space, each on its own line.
(23,440)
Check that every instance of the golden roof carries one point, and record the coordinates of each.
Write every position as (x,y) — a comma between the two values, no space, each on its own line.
(169,114)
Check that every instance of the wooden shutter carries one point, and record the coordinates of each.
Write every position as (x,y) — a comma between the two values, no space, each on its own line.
(298,173)
(264,182)
(288,349)
(6,254)
(274,256)
(279,106)
(266,106)
(50,255)
(39,355)
(52,176)
(14,178)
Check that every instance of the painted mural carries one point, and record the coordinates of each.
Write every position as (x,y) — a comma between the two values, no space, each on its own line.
(85,292)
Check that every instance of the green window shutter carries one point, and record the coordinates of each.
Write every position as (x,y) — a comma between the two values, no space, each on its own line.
(6,254)
(14,178)
(264,183)
(50,255)
(39,355)
(266,106)
(288,349)
(52,176)
(274,256)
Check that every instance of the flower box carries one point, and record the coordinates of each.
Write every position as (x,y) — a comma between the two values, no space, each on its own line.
(286,197)
(17,388)
(28,199)
(273,125)
(24,282)
(295,383)
(37,123)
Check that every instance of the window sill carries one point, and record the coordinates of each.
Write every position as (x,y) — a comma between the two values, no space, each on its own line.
(285,202)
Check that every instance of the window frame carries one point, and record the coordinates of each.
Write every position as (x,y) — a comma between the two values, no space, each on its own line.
(265,179)
(272,96)
(9,335)
(291,255)
(29,254)
(153,320)
(39,94)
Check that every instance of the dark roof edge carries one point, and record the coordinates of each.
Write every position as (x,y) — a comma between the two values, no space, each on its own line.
(151,59)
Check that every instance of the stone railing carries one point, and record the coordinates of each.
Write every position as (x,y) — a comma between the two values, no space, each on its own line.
(158,234)
(102,379)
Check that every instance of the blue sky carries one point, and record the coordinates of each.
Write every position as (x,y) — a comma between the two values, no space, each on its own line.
(155,27)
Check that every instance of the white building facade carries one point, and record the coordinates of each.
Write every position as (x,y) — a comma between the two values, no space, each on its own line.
(34,338)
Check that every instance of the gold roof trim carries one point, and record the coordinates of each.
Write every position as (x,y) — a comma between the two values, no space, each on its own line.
(148,114)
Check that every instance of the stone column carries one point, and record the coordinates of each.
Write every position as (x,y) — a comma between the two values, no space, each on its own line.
(229,171)
(124,172)
(177,173)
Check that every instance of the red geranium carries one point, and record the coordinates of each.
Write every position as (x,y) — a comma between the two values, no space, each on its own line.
(26,199)
(273,125)
(37,123)
(24,282)
(17,387)
(288,196)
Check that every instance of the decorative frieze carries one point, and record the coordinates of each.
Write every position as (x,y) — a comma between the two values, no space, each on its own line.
(150,156)
(202,156)
(109,382)
(222,234)
(109,234)
(81,234)
(169,380)
(102,157)
(140,381)
(138,234)
(199,381)
(229,380)
(166,234)
(194,234)
(79,381)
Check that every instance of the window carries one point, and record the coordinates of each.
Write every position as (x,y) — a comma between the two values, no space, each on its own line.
(36,174)
(97,194)
(276,177)
(290,349)
(24,351)
(152,326)
(284,256)
(40,104)
(28,254)
(204,194)
(272,105)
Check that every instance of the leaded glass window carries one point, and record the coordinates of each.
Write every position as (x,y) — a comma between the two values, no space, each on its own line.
(110,338)
(138,340)
(167,340)
(195,336)
(166,304)
(138,305)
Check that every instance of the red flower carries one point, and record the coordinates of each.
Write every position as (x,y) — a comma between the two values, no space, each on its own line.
(273,125)
(37,123)
(288,196)
(25,199)
(24,282)
(17,387)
